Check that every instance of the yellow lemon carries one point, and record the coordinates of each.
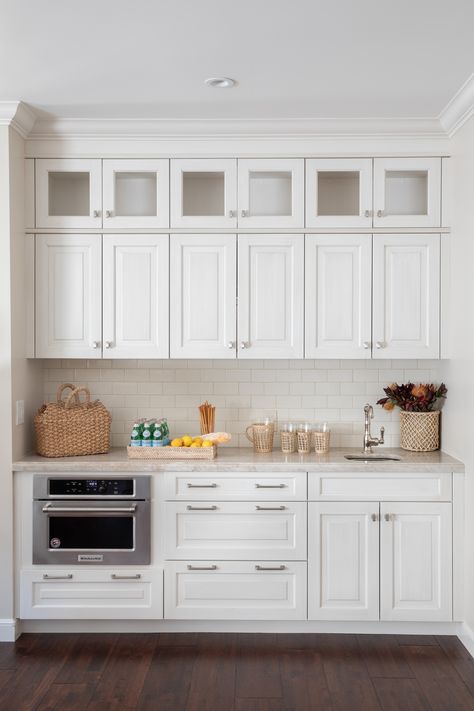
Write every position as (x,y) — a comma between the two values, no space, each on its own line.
(178,442)
(196,444)
(187,440)
(207,443)
(198,440)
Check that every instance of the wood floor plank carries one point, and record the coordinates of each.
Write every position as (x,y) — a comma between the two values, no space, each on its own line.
(258,668)
(303,681)
(438,679)
(166,686)
(177,639)
(460,659)
(400,695)
(12,653)
(87,659)
(213,678)
(66,697)
(383,656)
(261,705)
(417,640)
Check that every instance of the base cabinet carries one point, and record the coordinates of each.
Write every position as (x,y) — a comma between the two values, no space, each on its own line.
(201,590)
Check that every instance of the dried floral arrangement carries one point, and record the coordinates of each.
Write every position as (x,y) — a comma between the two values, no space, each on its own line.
(411,397)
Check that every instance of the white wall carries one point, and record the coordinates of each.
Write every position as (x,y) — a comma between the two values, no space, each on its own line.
(458,372)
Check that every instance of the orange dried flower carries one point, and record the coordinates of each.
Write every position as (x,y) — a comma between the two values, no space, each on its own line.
(388,405)
(419,391)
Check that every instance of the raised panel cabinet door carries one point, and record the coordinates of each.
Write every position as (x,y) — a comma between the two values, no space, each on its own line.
(339,192)
(136,193)
(136,296)
(68,192)
(271,192)
(343,561)
(68,296)
(406,296)
(407,192)
(271,296)
(203,296)
(203,192)
(416,562)
(338,296)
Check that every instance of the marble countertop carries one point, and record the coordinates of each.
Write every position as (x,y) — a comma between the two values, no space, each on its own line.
(245,460)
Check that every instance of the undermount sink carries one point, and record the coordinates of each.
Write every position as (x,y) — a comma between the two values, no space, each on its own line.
(373,457)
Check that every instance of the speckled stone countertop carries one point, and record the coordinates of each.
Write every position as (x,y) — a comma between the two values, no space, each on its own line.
(245,460)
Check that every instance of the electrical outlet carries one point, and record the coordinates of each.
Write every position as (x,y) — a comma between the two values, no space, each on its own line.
(20,412)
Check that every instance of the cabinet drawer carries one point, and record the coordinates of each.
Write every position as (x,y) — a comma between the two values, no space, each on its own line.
(235,590)
(235,531)
(239,487)
(373,486)
(61,594)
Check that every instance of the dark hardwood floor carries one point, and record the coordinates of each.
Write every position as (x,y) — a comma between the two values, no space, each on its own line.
(235,672)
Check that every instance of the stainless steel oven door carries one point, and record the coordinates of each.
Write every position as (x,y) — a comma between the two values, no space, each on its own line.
(88,532)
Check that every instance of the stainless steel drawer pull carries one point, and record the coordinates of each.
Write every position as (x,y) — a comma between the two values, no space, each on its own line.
(270,486)
(49,508)
(201,508)
(270,508)
(47,576)
(202,567)
(202,486)
(275,567)
(114,576)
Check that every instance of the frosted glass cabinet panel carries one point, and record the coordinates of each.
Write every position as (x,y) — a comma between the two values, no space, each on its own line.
(68,193)
(339,192)
(271,192)
(136,193)
(204,193)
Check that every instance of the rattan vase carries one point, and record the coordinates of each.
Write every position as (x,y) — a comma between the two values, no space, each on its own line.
(419,431)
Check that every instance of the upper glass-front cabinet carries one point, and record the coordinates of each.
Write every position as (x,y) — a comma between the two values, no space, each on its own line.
(68,193)
(407,192)
(271,193)
(339,192)
(204,192)
(136,193)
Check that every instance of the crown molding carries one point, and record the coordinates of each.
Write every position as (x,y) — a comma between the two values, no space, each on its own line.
(17,115)
(459,109)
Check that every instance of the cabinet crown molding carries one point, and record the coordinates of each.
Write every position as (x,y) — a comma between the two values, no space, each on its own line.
(18,115)
(459,109)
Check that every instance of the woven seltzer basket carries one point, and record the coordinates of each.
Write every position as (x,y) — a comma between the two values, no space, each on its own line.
(71,427)
(419,431)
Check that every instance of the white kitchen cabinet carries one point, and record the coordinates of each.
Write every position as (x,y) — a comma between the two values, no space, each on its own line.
(101,594)
(338,296)
(236,590)
(136,193)
(204,192)
(68,192)
(29,193)
(407,192)
(136,296)
(416,561)
(406,296)
(68,296)
(271,192)
(271,296)
(339,192)
(203,296)
(343,561)
(236,486)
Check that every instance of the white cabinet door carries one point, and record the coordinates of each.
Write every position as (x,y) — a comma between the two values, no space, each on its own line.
(136,193)
(338,296)
(203,296)
(416,562)
(406,296)
(339,192)
(343,561)
(201,590)
(135,296)
(68,192)
(407,192)
(68,296)
(204,192)
(271,296)
(237,486)
(235,531)
(271,192)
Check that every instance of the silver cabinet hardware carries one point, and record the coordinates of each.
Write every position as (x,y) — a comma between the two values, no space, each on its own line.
(389,517)
(270,567)
(366,344)
(50,508)
(95,344)
(47,576)
(379,213)
(270,486)
(244,213)
(232,213)
(367,213)
(270,508)
(108,344)
(115,576)
(201,486)
(201,508)
(202,567)
(380,344)
(244,344)
(374,517)
(96,213)
(109,213)
(231,345)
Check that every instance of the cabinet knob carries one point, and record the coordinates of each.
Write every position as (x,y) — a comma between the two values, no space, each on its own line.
(380,344)
(367,213)
(244,344)
(95,344)
(374,517)
(380,213)
(389,517)
(108,344)
(244,213)
(96,213)
(232,213)
(366,345)
(231,345)
(108,213)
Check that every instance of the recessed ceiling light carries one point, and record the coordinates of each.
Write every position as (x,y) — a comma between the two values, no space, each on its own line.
(220,82)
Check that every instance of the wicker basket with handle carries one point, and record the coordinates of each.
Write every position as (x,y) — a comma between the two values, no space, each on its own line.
(71,427)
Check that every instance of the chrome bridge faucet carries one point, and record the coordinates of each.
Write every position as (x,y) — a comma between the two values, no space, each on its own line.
(370,441)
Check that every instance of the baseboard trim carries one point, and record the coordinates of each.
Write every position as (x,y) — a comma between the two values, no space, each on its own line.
(466,635)
(10,630)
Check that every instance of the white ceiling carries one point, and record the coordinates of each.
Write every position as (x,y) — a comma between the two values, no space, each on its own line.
(292,58)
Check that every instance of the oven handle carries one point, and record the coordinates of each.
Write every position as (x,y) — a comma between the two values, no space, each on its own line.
(49,508)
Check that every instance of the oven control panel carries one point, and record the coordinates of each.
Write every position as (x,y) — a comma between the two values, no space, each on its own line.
(91,487)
